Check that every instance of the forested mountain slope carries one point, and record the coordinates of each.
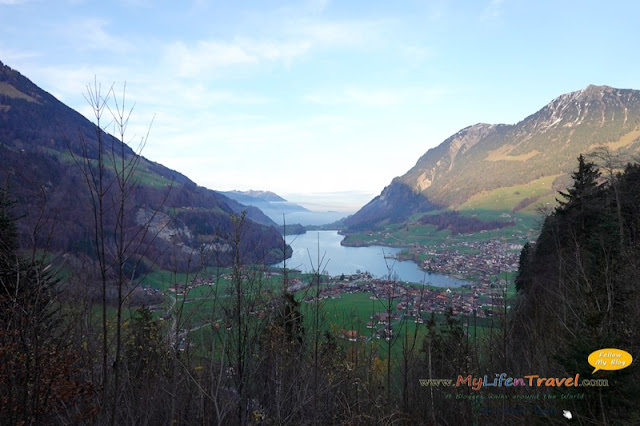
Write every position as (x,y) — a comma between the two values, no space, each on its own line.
(47,151)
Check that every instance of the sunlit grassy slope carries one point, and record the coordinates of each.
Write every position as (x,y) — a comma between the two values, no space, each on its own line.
(509,197)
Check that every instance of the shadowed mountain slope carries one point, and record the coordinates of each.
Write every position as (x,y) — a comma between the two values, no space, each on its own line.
(43,146)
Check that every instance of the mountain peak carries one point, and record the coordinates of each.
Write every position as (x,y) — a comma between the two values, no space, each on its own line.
(596,88)
(592,102)
(589,93)
(592,91)
(498,166)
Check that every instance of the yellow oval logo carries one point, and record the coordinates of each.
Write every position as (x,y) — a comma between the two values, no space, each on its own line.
(609,359)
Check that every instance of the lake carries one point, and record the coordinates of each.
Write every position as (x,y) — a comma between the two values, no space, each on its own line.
(336,259)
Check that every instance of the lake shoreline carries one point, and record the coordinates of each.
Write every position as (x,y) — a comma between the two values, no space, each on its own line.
(381,261)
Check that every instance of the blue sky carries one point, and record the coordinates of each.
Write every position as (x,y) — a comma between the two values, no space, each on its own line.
(322,102)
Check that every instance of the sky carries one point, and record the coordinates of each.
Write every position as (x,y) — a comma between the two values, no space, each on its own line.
(322,102)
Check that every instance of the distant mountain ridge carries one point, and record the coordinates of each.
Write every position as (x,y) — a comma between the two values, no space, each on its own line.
(533,157)
(39,139)
(284,212)
(253,196)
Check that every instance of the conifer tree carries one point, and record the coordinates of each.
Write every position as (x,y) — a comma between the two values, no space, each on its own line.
(37,380)
(578,292)
(582,200)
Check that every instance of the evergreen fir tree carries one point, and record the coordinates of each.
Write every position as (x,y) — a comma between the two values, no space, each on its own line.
(36,360)
(583,199)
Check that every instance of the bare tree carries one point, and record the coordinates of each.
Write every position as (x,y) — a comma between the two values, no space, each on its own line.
(112,171)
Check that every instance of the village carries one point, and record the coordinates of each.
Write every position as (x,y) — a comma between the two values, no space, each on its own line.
(478,261)
(397,301)
(485,266)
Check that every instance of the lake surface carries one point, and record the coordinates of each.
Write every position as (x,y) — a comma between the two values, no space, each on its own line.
(336,259)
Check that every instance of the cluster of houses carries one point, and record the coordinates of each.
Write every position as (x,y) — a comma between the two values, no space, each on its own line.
(482,260)
(410,303)
(381,325)
(414,300)
(395,301)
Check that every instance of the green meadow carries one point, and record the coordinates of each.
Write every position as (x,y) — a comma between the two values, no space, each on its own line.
(507,198)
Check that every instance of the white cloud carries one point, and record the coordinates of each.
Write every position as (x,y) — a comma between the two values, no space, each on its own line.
(415,53)
(375,97)
(14,58)
(276,50)
(68,83)
(203,97)
(492,11)
(92,34)
(317,6)
(290,37)
(137,3)
(336,33)
(207,56)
